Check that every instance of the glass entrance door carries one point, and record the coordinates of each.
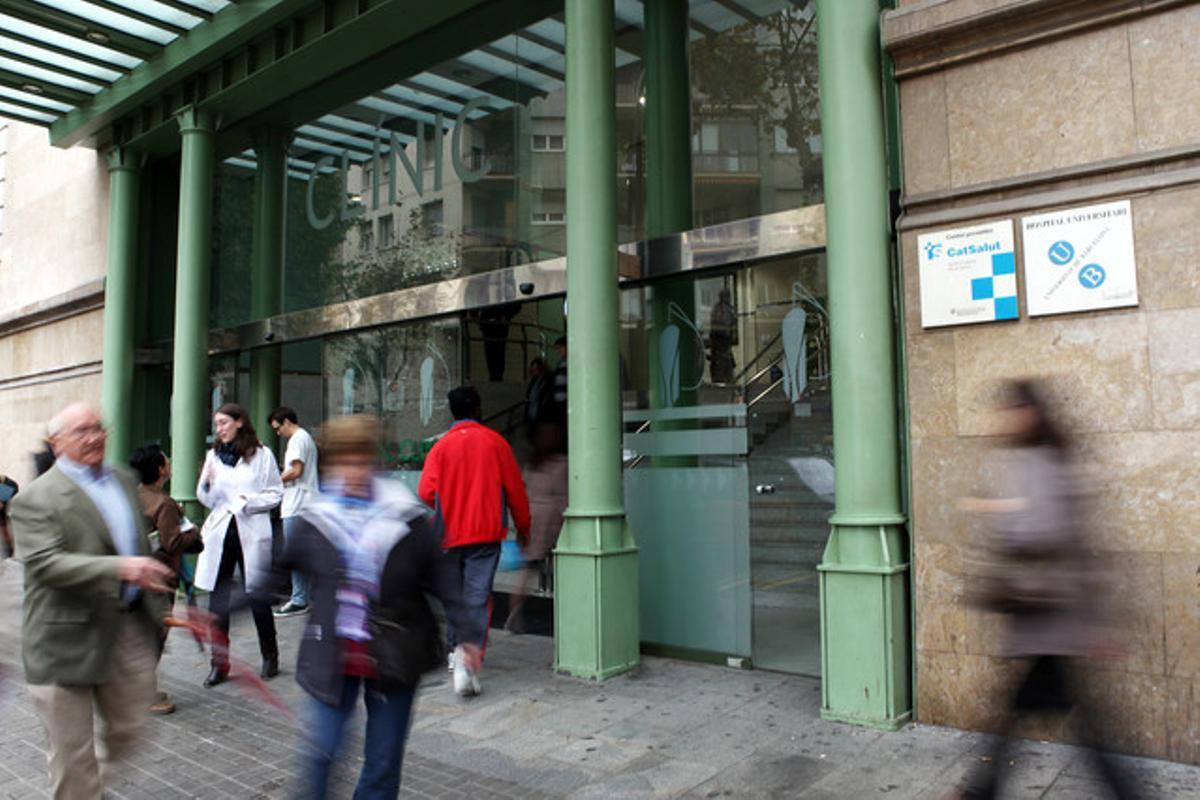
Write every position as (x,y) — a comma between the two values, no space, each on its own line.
(785,386)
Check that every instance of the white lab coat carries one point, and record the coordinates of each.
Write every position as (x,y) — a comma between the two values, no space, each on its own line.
(258,481)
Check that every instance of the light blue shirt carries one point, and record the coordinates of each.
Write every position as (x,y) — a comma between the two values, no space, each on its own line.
(105,491)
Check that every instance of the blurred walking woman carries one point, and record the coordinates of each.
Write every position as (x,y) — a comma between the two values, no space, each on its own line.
(1041,576)
(372,556)
(240,485)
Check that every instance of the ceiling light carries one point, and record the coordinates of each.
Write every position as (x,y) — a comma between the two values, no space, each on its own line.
(32,88)
(97,36)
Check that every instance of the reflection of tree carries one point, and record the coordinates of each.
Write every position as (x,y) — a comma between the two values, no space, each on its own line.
(766,71)
(382,360)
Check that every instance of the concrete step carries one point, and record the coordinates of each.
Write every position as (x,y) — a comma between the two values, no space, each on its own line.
(807,601)
(785,553)
(789,513)
(797,535)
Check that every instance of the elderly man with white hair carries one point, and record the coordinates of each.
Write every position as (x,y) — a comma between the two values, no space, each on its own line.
(91,618)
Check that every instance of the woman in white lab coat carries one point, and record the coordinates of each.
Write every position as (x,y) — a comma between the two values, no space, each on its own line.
(240,485)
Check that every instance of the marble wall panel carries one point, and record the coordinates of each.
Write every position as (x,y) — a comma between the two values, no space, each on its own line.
(962,691)
(1167,245)
(1183,720)
(1165,63)
(1098,363)
(941,621)
(1175,368)
(24,413)
(944,470)
(931,386)
(1181,584)
(1132,709)
(66,343)
(1143,489)
(1059,104)
(926,144)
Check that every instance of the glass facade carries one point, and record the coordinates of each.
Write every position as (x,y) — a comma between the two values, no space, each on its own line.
(461,169)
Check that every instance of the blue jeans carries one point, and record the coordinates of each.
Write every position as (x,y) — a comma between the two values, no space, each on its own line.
(299,579)
(475,566)
(383,750)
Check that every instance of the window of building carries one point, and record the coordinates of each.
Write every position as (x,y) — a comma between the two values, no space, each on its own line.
(549,143)
(433,218)
(549,218)
(385,228)
(365,239)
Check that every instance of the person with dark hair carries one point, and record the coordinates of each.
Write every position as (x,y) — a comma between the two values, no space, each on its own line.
(300,484)
(558,394)
(372,557)
(538,393)
(1041,576)
(472,480)
(545,478)
(172,534)
(240,484)
(8,490)
(43,460)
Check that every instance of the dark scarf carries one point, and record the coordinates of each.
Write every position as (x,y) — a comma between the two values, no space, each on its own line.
(227,453)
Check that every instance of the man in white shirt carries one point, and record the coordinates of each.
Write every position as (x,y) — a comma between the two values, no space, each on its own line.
(300,484)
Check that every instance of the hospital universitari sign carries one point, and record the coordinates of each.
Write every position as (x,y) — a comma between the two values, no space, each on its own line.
(396,150)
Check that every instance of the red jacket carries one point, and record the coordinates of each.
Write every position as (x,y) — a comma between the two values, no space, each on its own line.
(471,479)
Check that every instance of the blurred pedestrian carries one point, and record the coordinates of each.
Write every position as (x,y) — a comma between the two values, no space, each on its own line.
(472,480)
(8,490)
(371,555)
(240,485)
(43,459)
(538,394)
(1041,576)
(300,484)
(558,393)
(171,533)
(91,624)
(545,478)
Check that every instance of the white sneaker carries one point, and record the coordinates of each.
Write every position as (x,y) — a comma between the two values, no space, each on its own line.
(465,682)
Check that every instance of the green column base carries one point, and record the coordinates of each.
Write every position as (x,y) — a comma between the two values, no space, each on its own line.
(864,624)
(596,597)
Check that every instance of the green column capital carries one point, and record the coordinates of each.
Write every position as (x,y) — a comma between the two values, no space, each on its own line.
(124,159)
(193,120)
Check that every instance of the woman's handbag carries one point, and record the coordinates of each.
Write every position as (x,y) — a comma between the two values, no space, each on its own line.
(403,652)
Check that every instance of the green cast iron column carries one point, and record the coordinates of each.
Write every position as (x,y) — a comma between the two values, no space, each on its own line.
(595,606)
(266,274)
(863,575)
(669,200)
(668,119)
(120,292)
(189,387)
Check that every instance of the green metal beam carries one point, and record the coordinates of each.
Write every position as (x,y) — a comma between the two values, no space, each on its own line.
(120,293)
(15,80)
(71,25)
(863,574)
(49,66)
(595,605)
(228,30)
(66,51)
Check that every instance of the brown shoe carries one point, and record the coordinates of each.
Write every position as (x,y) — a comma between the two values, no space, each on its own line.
(162,707)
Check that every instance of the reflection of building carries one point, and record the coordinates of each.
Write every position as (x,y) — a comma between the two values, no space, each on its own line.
(732,477)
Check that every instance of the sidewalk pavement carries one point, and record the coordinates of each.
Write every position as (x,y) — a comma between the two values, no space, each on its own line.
(669,729)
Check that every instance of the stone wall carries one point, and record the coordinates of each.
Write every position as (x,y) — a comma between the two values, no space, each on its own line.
(52,257)
(1016,107)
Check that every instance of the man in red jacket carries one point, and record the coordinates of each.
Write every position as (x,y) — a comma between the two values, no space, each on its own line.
(472,480)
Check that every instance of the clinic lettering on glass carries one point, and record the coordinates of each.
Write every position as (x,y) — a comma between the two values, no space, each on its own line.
(397,151)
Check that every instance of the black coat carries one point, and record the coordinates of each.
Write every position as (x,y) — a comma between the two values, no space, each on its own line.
(407,639)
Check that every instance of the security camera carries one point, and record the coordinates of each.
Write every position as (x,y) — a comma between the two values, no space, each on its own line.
(526,288)
(269,336)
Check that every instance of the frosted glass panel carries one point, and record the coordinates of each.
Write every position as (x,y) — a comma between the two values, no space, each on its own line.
(692,530)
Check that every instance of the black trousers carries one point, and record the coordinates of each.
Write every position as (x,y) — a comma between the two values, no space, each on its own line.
(222,598)
(1048,687)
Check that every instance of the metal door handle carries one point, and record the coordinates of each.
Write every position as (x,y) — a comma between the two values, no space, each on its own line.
(765,488)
